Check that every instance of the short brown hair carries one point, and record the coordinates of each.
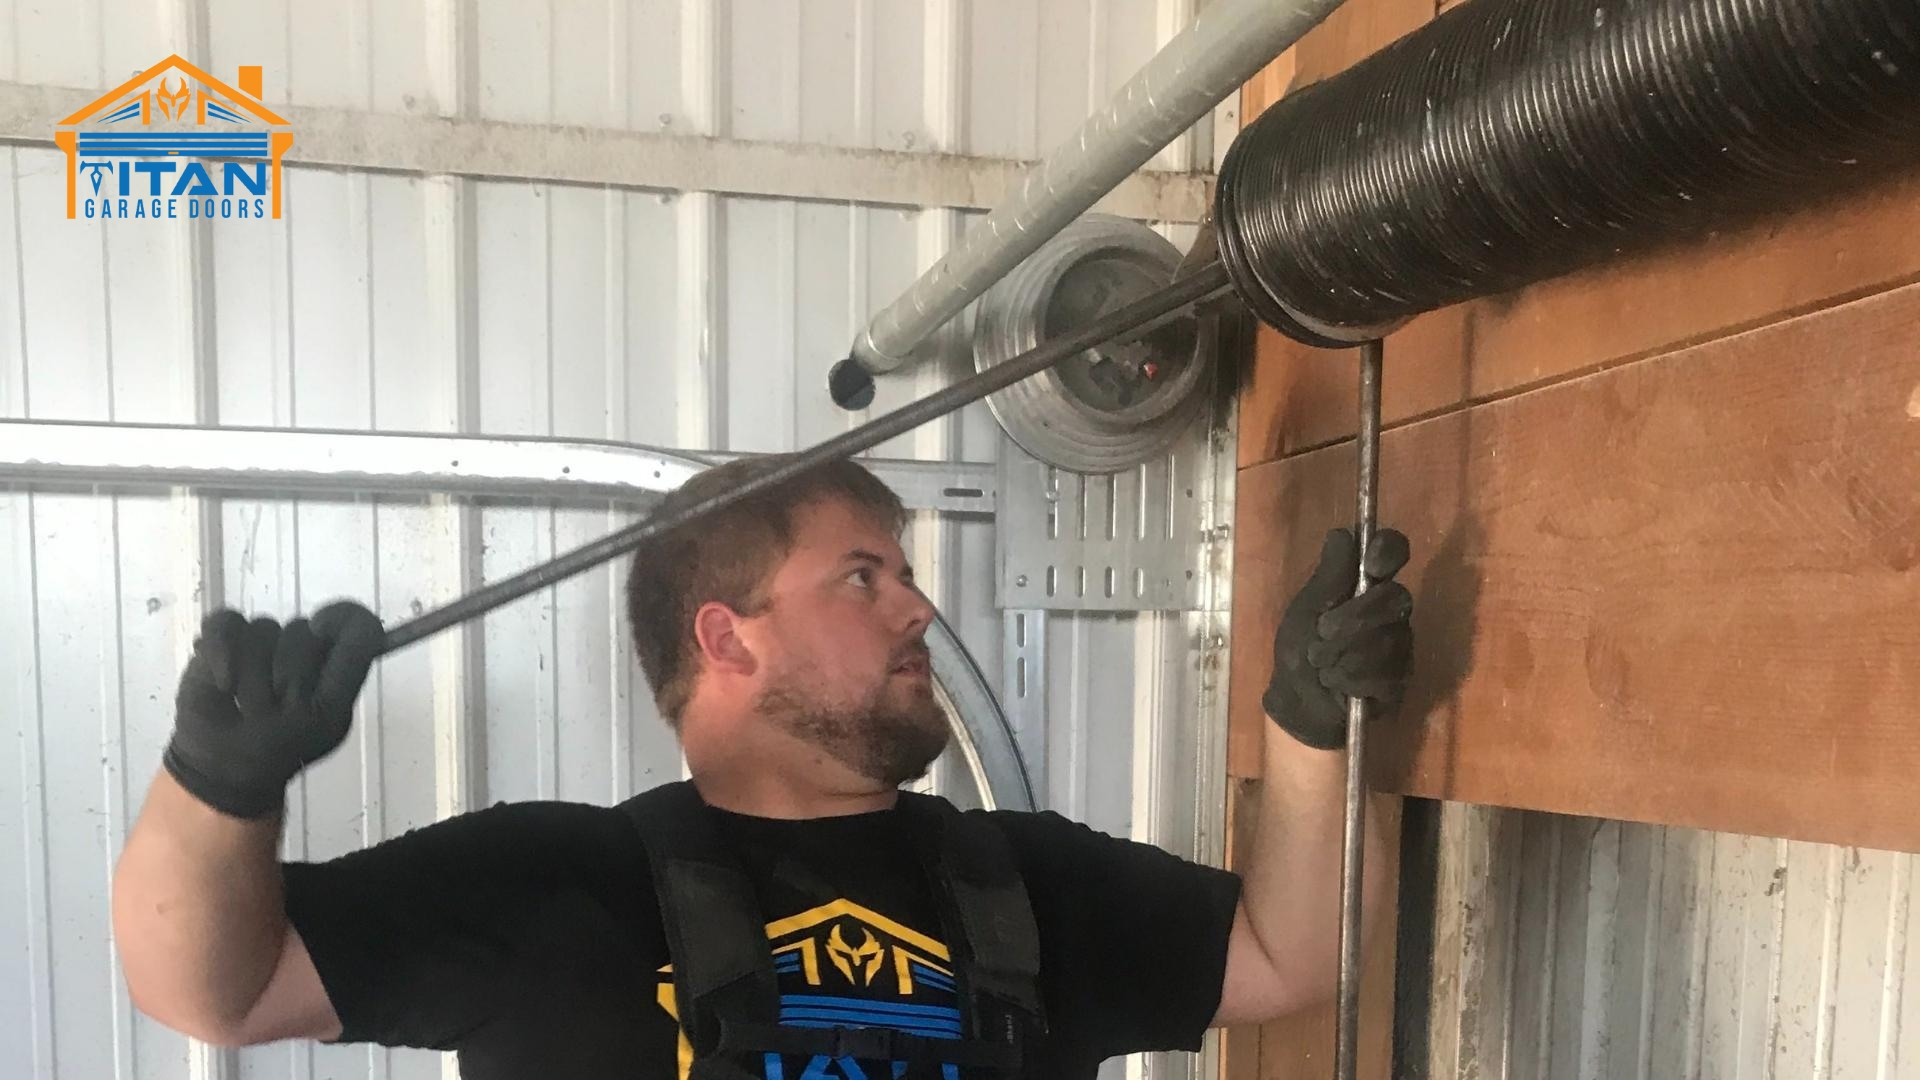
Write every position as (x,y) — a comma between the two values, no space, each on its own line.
(727,556)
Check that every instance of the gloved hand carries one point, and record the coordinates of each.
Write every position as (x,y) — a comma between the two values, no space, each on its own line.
(1332,645)
(258,703)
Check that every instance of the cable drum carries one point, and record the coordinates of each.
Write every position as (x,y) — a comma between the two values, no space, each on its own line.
(1114,405)
(1511,141)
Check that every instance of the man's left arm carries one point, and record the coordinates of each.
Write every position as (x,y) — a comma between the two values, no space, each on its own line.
(1283,952)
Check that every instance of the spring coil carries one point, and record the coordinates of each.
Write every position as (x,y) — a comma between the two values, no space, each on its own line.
(1511,141)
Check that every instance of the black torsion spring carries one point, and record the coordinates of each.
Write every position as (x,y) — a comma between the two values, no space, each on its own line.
(1511,141)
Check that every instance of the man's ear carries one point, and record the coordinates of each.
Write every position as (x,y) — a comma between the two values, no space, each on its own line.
(716,629)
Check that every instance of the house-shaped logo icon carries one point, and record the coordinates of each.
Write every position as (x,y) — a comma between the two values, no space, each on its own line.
(145,147)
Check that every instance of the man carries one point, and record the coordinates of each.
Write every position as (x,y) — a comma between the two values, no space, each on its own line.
(782,639)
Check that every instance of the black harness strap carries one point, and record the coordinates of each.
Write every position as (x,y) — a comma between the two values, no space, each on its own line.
(715,934)
(725,987)
(988,920)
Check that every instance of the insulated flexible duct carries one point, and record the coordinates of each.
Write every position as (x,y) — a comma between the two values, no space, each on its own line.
(1511,141)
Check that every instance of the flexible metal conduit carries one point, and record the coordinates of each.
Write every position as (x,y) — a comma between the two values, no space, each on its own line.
(1511,141)
(1223,47)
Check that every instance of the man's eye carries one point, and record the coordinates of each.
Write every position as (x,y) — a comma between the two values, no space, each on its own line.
(862,577)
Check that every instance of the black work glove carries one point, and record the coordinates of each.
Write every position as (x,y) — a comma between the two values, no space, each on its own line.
(1332,645)
(258,703)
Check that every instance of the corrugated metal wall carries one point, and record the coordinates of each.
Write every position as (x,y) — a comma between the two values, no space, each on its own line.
(398,302)
(1581,949)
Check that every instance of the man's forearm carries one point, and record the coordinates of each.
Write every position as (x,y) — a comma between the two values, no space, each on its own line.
(198,911)
(1292,876)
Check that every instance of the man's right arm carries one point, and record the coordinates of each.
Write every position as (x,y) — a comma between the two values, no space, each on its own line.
(199,906)
(200,920)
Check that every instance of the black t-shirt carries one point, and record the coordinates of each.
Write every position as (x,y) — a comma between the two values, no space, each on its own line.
(527,937)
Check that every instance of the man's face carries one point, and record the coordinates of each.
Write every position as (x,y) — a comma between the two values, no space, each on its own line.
(842,642)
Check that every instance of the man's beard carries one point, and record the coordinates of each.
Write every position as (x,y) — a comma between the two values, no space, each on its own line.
(886,737)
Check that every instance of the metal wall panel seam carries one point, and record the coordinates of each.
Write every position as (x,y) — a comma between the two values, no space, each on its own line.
(786,316)
(934,543)
(548,780)
(36,850)
(1550,949)
(1656,875)
(1903,962)
(199,586)
(862,73)
(1506,854)
(10,56)
(1066,741)
(111,674)
(19,656)
(1657,1011)
(1736,1002)
(1697,942)
(1452,897)
(1148,688)
(1777,935)
(1831,911)
(115,782)
(701,389)
(29,702)
(1860,963)
(1803,936)
(619,735)
(699,395)
(1604,887)
(374,820)
(1893,977)
(457,658)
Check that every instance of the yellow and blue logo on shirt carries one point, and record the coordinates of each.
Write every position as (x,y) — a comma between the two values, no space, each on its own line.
(843,965)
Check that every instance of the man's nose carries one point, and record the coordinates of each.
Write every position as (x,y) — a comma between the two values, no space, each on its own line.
(915,611)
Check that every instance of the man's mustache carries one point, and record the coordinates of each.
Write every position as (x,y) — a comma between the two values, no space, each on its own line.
(911,652)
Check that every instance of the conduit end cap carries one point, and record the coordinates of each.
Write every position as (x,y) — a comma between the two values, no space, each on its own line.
(850,385)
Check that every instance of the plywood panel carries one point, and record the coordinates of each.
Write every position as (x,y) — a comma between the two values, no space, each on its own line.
(1300,397)
(1267,85)
(1680,590)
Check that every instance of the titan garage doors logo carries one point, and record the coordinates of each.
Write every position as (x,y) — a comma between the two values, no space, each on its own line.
(175,142)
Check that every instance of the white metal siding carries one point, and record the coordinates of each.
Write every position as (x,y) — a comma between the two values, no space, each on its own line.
(407,303)
(1600,950)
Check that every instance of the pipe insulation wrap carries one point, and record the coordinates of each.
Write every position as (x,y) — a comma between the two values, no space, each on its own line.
(1511,141)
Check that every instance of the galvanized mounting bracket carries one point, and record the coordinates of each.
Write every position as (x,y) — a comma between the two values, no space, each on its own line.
(1135,540)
